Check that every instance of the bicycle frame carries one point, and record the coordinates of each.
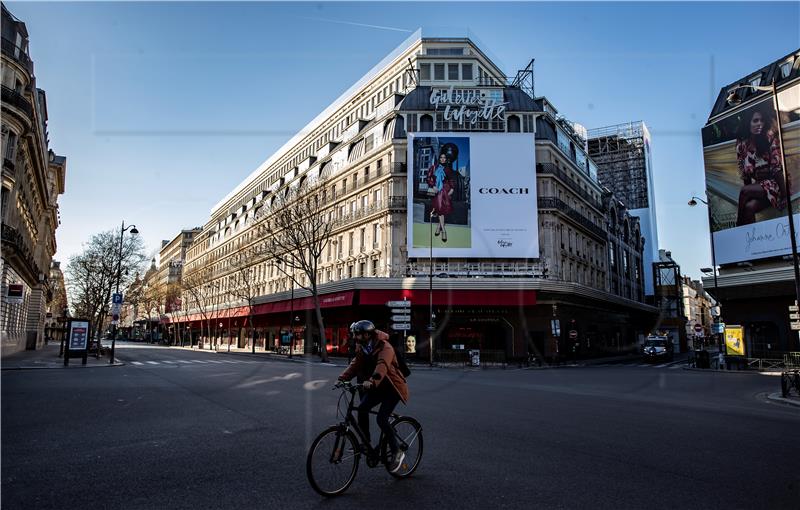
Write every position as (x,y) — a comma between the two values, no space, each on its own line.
(351,423)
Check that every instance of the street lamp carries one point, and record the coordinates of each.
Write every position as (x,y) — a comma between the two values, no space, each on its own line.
(733,100)
(122,231)
(431,317)
(713,269)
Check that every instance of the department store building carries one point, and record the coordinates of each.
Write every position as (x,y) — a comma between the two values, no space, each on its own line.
(576,257)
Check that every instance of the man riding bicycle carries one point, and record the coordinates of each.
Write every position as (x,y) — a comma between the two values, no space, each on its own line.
(376,365)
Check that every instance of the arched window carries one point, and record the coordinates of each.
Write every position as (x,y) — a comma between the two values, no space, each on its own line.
(426,123)
(513,124)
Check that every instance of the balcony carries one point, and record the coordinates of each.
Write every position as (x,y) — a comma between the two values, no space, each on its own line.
(13,98)
(14,52)
(550,168)
(395,202)
(560,205)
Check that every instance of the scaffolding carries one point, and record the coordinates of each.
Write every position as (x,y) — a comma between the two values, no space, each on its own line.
(620,154)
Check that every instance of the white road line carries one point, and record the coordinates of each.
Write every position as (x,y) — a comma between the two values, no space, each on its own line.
(214,361)
(645,365)
(137,362)
(183,361)
(662,365)
(198,361)
(153,362)
(673,367)
(167,361)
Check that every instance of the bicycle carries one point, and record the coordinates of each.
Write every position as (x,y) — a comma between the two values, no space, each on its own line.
(790,379)
(334,456)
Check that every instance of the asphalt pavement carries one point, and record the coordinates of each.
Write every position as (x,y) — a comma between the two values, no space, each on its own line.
(177,429)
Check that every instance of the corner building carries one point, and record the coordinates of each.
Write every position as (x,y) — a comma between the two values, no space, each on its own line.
(586,271)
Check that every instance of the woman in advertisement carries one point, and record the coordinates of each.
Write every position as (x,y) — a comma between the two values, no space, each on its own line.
(759,158)
(440,179)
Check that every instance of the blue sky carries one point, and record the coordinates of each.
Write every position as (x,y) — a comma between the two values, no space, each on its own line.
(163,108)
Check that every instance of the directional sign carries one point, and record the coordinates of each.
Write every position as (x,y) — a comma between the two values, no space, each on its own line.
(401,326)
(794,308)
(398,304)
(400,310)
(795,326)
(400,318)
(794,316)
(116,299)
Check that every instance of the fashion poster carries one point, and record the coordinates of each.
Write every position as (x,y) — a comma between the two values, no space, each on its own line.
(747,191)
(472,195)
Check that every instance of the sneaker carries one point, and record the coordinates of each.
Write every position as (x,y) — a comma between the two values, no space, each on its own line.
(394,467)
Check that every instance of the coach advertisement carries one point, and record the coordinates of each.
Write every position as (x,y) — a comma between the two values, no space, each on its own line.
(472,195)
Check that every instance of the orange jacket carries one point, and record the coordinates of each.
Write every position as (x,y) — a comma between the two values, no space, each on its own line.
(385,367)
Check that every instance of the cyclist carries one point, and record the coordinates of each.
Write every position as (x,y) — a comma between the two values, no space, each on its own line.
(376,364)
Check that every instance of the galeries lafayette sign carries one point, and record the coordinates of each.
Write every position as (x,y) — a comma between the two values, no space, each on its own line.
(467,106)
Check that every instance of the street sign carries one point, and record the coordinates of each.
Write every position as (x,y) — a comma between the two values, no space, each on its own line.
(15,293)
(116,299)
(400,318)
(794,316)
(401,326)
(555,327)
(794,308)
(398,304)
(698,328)
(573,333)
(795,326)
(400,310)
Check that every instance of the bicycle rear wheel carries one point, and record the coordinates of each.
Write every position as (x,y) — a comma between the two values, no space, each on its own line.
(785,385)
(332,461)
(409,441)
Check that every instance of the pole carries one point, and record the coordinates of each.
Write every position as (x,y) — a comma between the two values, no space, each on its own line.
(431,327)
(119,275)
(713,263)
(789,211)
(291,320)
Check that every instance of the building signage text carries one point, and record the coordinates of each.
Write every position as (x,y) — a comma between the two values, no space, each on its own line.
(467,105)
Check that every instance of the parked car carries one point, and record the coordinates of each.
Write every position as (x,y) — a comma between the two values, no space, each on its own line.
(657,348)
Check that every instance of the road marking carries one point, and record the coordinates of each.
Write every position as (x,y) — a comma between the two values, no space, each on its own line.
(153,362)
(167,361)
(183,361)
(214,361)
(673,367)
(137,362)
(662,365)
(198,361)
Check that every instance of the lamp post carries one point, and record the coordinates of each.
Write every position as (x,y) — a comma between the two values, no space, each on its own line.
(431,325)
(122,231)
(693,202)
(733,99)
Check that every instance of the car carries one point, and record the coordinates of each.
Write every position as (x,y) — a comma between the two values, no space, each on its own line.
(657,348)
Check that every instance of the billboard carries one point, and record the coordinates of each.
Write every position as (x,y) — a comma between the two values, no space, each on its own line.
(744,178)
(734,340)
(473,195)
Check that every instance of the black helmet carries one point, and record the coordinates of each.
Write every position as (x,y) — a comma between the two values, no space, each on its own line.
(362,327)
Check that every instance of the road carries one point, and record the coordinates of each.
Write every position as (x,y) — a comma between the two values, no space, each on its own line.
(186,429)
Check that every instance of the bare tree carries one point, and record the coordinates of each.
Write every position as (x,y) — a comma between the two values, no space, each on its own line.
(201,292)
(243,284)
(92,274)
(298,232)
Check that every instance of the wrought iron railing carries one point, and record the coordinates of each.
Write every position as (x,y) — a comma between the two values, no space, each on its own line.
(17,100)
(560,205)
(15,52)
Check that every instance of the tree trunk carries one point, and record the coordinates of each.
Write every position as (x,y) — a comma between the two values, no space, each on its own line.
(323,348)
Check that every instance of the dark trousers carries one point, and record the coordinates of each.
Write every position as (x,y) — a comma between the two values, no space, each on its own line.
(387,397)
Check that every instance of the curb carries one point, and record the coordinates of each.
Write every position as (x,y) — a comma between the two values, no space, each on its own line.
(742,372)
(62,366)
(776,397)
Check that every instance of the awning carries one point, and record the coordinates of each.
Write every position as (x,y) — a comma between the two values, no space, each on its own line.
(511,298)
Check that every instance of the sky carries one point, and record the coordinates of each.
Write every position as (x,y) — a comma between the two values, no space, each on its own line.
(163,108)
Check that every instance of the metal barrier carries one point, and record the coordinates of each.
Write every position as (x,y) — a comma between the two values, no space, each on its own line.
(791,360)
(765,364)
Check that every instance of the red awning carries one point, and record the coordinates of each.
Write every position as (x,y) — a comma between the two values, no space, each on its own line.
(451,297)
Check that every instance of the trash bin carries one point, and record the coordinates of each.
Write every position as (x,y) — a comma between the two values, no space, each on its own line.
(475,357)
(703,360)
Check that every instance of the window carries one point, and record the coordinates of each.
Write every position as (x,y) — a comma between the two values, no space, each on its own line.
(755,82)
(377,198)
(466,71)
(445,51)
(438,72)
(362,269)
(350,271)
(344,187)
(366,174)
(352,207)
(364,202)
(350,245)
(369,143)
(452,72)
(424,71)
(363,240)
(786,68)
(376,239)
(340,243)
(379,164)
(374,267)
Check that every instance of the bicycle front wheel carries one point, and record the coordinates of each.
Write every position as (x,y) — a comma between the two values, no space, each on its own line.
(409,440)
(332,461)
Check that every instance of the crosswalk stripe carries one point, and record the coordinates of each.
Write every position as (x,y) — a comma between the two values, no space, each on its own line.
(137,362)
(153,362)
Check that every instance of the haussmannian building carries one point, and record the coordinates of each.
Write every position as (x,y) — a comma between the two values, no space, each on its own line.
(589,275)
(33,178)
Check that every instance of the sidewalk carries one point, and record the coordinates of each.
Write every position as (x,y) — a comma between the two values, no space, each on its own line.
(47,357)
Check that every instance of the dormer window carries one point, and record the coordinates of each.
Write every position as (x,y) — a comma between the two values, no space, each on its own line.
(755,82)
(786,68)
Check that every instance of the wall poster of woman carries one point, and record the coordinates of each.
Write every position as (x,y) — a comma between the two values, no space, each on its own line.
(441,206)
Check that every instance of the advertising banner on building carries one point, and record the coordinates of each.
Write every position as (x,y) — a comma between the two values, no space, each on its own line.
(473,194)
(744,178)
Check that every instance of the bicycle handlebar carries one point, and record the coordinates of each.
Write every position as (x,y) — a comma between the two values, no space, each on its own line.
(347,385)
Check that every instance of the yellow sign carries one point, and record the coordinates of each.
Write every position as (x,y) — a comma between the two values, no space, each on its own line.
(734,340)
